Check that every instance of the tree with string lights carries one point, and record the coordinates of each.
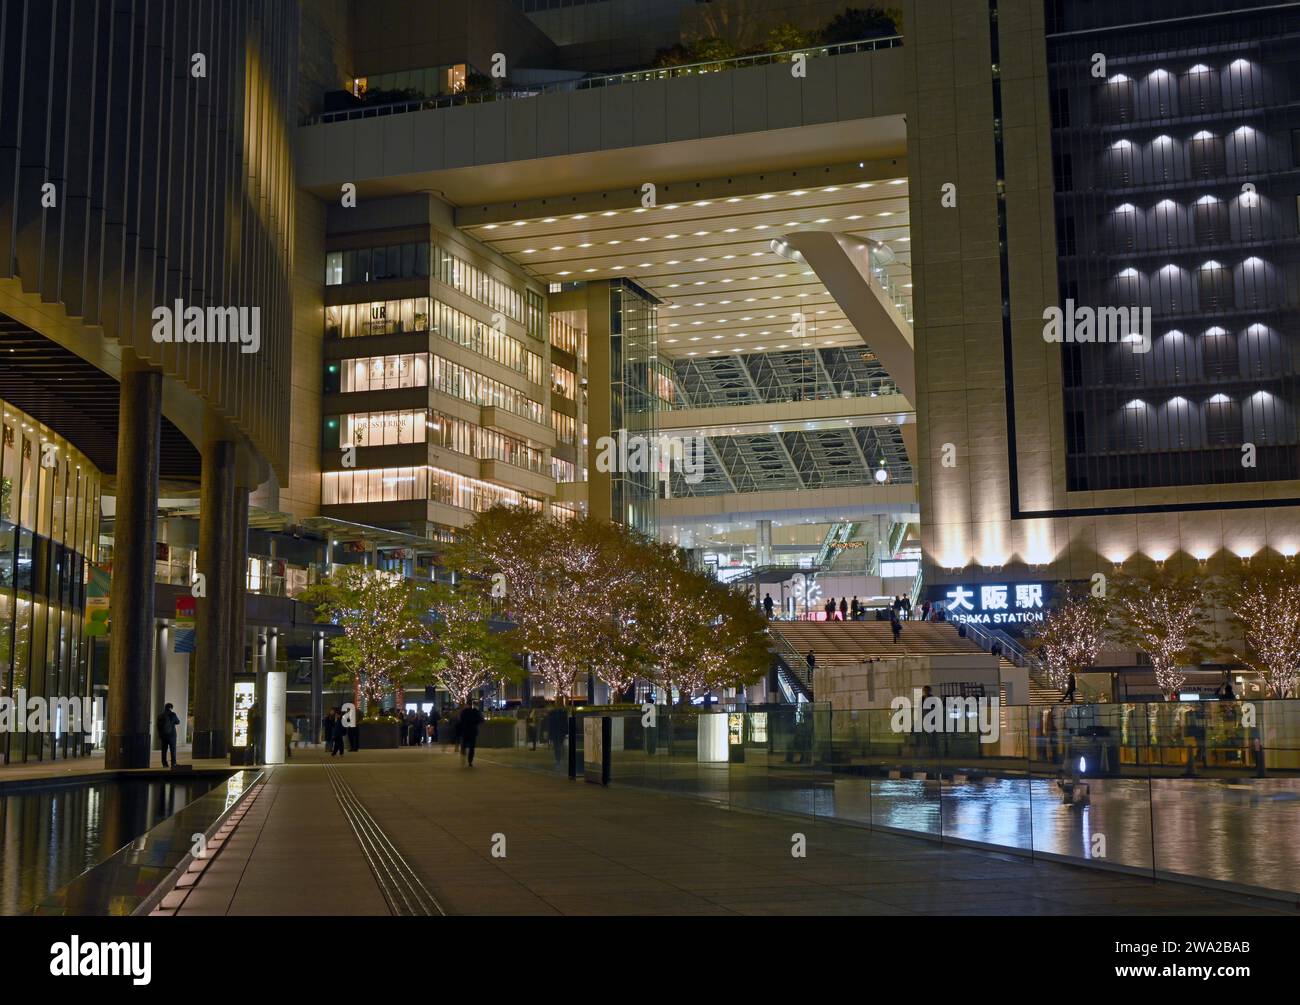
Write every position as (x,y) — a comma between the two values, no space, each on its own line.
(1070,636)
(561,583)
(1163,615)
(1263,600)
(452,642)
(698,633)
(373,609)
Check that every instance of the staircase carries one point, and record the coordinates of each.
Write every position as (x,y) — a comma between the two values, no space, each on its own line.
(1041,691)
(842,643)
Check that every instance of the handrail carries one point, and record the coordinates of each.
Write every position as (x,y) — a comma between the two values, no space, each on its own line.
(607,80)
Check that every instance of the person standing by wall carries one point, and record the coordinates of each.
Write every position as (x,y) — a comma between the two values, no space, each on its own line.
(167,723)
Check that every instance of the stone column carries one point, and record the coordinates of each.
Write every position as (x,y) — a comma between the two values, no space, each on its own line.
(764,550)
(134,537)
(161,643)
(237,597)
(213,638)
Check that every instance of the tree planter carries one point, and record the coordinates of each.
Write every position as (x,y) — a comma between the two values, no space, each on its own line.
(379,735)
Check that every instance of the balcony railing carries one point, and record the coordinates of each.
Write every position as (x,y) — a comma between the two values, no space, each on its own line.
(607,80)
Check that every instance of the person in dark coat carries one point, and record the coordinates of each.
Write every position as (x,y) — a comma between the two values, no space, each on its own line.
(557,731)
(768,605)
(256,731)
(468,723)
(167,723)
(895,625)
(338,732)
(844,609)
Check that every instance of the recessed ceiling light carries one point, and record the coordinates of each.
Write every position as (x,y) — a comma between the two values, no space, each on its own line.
(610,212)
(490,226)
(529,251)
(581,216)
(557,247)
(549,219)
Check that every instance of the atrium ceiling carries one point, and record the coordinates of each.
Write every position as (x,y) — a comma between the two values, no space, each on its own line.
(710,258)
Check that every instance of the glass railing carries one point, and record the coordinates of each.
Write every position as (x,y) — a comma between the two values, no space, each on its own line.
(607,80)
(1208,791)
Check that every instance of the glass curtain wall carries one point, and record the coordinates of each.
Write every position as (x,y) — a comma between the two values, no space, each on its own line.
(1177,215)
(634,403)
(49,520)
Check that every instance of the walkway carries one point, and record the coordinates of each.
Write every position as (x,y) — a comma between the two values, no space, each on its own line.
(573,848)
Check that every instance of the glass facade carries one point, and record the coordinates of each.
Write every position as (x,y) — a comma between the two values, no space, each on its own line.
(484,444)
(476,284)
(521,395)
(368,265)
(49,528)
(1178,195)
(376,429)
(381,373)
(487,341)
(381,485)
(469,385)
(634,403)
(389,317)
(568,336)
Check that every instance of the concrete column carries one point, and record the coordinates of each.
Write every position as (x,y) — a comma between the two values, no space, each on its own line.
(236,598)
(177,690)
(275,716)
(268,669)
(134,537)
(158,691)
(213,637)
(764,556)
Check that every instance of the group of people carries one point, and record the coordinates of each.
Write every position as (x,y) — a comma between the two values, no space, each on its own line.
(846,609)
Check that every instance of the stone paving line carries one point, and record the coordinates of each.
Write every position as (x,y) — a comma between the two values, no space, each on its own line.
(564,847)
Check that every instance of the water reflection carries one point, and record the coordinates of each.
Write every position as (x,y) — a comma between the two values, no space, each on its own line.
(50,836)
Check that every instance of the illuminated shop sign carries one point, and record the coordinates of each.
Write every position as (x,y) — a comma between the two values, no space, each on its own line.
(1009,604)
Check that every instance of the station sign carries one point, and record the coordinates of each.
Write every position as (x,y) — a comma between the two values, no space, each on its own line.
(995,603)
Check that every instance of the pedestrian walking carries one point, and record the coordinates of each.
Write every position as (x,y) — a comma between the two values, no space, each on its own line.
(469,722)
(768,605)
